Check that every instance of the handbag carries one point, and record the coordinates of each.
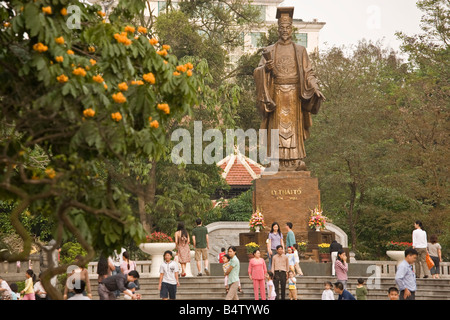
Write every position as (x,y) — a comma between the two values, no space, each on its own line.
(429,261)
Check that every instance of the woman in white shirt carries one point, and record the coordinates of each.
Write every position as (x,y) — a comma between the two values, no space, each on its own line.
(420,243)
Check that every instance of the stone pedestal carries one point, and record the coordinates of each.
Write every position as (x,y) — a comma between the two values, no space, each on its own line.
(316,237)
(287,196)
(247,237)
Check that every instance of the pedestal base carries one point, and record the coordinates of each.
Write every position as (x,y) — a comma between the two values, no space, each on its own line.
(288,196)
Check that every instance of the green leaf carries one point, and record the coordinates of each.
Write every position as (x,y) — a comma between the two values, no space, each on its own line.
(32,19)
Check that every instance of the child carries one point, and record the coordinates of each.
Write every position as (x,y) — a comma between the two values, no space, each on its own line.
(15,295)
(221,254)
(29,290)
(298,270)
(270,287)
(226,264)
(292,287)
(291,259)
(328,294)
(168,279)
(393,293)
(361,291)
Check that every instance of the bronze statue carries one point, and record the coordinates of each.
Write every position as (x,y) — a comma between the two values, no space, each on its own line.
(287,93)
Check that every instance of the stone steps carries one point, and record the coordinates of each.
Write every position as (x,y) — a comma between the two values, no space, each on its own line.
(308,288)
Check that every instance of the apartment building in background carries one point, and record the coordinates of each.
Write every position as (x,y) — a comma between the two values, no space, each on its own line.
(307,32)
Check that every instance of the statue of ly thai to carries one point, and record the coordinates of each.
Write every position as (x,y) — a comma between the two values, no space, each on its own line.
(287,94)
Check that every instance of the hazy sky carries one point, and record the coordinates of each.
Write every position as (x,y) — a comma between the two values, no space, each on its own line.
(348,21)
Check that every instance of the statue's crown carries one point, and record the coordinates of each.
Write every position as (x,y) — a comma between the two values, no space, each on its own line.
(285,14)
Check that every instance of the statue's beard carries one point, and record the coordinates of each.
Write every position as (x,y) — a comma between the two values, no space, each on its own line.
(286,37)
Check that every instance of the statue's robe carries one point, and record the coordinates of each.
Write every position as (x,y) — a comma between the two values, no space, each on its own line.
(286,99)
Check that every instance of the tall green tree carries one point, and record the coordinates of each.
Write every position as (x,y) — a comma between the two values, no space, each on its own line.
(202,32)
(378,145)
(97,93)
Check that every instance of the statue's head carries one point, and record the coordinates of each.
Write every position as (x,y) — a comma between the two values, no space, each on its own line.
(284,16)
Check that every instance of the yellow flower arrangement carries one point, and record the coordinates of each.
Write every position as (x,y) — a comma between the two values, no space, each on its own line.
(324,247)
(302,246)
(251,247)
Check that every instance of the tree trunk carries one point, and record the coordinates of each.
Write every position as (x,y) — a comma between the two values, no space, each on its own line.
(143,215)
(147,198)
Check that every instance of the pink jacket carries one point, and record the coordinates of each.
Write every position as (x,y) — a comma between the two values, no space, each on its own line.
(257,268)
(341,270)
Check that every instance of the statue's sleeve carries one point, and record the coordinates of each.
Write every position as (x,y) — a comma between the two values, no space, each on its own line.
(309,86)
(264,102)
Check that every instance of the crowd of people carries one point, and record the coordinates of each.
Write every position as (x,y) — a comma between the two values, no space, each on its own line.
(117,274)
(283,268)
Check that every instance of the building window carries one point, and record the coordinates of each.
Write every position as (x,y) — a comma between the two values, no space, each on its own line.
(301,39)
(162,6)
(255,36)
(262,10)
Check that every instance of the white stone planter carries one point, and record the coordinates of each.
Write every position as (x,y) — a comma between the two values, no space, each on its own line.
(188,265)
(156,250)
(396,255)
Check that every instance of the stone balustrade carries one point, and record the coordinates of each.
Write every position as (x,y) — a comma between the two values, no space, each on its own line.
(386,269)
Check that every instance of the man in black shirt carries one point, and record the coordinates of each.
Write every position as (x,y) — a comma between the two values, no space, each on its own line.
(119,282)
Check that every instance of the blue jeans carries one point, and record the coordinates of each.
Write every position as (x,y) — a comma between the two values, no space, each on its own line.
(116,271)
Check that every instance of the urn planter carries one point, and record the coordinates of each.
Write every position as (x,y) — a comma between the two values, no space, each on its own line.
(396,255)
(156,250)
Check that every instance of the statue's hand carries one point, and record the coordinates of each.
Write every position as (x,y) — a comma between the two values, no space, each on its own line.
(319,94)
(270,106)
(269,65)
